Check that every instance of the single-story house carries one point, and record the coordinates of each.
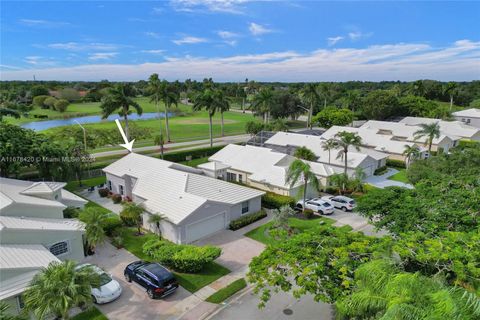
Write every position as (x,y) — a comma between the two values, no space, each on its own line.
(464,129)
(194,204)
(470,117)
(33,233)
(385,144)
(406,133)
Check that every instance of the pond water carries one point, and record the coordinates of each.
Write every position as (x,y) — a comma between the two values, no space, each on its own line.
(47,124)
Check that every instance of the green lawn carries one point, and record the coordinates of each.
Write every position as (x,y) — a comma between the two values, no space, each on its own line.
(73,185)
(91,314)
(261,234)
(225,293)
(190,281)
(401,176)
(195,162)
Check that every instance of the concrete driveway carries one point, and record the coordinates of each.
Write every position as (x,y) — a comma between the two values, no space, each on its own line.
(382,181)
(357,222)
(134,302)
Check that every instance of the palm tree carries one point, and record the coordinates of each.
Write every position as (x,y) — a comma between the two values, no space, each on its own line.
(133,212)
(305,154)
(5,314)
(428,131)
(418,88)
(346,140)
(281,216)
(171,96)
(262,102)
(411,153)
(352,99)
(207,100)
(384,291)
(156,90)
(119,98)
(301,171)
(357,181)
(156,219)
(158,140)
(329,145)
(94,220)
(222,105)
(310,96)
(58,288)
(324,91)
(450,89)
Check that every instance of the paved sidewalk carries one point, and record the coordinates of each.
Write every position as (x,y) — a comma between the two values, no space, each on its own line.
(383,181)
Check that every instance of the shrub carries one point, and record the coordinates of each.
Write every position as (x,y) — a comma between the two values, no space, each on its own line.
(103,192)
(116,198)
(332,190)
(183,258)
(468,143)
(69,94)
(308,213)
(111,225)
(61,105)
(396,163)
(380,171)
(246,220)
(39,101)
(117,241)
(129,222)
(49,103)
(272,200)
(71,212)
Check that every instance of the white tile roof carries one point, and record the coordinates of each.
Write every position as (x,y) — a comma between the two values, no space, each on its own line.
(402,130)
(451,128)
(370,138)
(43,187)
(469,113)
(28,223)
(314,143)
(68,196)
(174,190)
(24,256)
(14,286)
(213,166)
(15,191)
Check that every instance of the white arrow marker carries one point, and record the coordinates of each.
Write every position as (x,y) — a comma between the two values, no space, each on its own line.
(127,145)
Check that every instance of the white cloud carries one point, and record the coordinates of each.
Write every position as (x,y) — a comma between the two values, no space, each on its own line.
(38,61)
(157,10)
(75,46)
(402,61)
(227,34)
(42,23)
(102,56)
(258,30)
(333,40)
(226,6)
(189,40)
(152,35)
(356,35)
(155,51)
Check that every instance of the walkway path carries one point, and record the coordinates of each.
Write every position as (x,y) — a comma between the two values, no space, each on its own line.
(383,181)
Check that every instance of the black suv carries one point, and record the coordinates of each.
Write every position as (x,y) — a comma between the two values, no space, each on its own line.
(158,281)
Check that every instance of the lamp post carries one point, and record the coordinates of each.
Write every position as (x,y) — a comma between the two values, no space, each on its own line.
(84,135)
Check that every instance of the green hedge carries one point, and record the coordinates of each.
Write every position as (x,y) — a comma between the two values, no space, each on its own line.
(246,220)
(112,224)
(195,154)
(272,200)
(181,257)
(468,143)
(225,293)
(396,163)
(380,171)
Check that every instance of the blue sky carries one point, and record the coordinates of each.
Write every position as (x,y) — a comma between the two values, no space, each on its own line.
(237,39)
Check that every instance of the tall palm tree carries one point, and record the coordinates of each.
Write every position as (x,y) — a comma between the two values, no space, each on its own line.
(94,220)
(58,288)
(158,140)
(325,92)
(156,91)
(450,89)
(345,140)
(171,96)
(411,153)
(329,145)
(428,131)
(418,88)
(352,99)
(133,212)
(156,219)
(222,105)
(305,154)
(384,291)
(207,100)
(262,102)
(120,98)
(301,171)
(310,97)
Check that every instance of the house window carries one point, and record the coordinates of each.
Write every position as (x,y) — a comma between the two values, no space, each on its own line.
(121,190)
(468,120)
(240,178)
(109,185)
(244,207)
(231,176)
(59,248)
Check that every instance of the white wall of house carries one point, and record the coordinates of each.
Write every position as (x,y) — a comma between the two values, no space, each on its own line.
(47,238)
(114,183)
(474,122)
(31,210)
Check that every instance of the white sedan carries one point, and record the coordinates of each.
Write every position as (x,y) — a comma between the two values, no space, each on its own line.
(317,205)
(341,202)
(109,289)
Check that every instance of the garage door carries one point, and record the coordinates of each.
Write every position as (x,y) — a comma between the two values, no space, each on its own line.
(205,227)
(368,171)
